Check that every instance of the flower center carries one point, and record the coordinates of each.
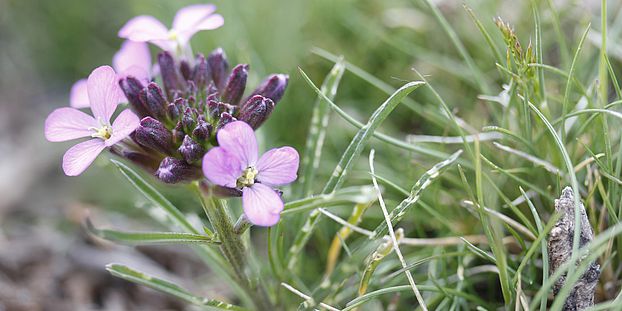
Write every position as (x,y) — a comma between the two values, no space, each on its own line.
(248,177)
(172,35)
(104,132)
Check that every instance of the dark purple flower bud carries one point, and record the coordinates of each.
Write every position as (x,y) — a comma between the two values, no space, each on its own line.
(185,70)
(131,88)
(226,192)
(188,121)
(190,150)
(225,118)
(178,134)
(272,87)
(152,134)
(191,87)
(235,85)
(256,110)
(212,92)
(201,75)
(202,132)
(143,160)
(172,171)
(156,103)
(168,71)
(218,65)
(173,111)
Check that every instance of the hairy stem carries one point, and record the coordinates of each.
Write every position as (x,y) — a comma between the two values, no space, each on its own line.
(233,247)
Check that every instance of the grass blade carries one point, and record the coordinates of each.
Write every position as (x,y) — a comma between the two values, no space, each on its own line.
(319,125)
(348,158)
(167,287)
(145,238)
(424,181)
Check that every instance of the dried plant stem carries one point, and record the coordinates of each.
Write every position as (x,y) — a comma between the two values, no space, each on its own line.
(233,247)
(560,249)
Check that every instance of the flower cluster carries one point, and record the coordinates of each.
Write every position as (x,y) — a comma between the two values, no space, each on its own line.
(197,123)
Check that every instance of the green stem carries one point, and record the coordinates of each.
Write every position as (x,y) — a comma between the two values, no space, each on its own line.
(233,247)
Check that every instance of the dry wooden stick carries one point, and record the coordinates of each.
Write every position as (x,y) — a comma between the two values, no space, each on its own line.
(560,250)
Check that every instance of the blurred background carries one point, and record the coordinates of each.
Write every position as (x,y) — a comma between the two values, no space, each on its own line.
(47,262)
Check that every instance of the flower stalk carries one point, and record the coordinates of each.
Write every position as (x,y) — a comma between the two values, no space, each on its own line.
(232,246)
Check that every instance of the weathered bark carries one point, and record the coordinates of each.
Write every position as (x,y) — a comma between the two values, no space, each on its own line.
(560,250)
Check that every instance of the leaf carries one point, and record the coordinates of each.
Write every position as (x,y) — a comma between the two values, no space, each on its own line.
(424,181)
(142,238)
(347,160)
(167,287)
(319,125)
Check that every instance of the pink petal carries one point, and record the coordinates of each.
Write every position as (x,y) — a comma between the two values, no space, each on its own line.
(194,18)
(104,92)
(134,55)
(222,168)
(125,123)
(239,140)
(79,96)
(262,205)
(68,123)
(79,157)
(278,166)
(146,28)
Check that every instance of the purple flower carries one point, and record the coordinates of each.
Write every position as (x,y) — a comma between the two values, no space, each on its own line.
(69,123)
(188,21)
(235,164)
(132,59)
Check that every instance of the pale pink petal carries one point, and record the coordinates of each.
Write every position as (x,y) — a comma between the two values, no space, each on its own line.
(262,205)
(144,28)
(79,96)
(104,92)
(68,123)
(132,54)
(194,18)
(137,72)
(79,157)
(125,123)
(278,166)
(222,168)
(239,140)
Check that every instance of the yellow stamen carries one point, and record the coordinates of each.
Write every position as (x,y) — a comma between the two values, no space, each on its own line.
(248,177)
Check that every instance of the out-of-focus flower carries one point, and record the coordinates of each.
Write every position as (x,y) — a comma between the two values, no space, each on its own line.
(69,123)
(235,164)
(188,21)
(132,59)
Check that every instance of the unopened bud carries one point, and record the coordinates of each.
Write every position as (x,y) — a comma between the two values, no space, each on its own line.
(172,111)
(202,131)
(172,171)
(143,160)
(188,121)
(190,150)
(256,110)
(225,118)
(155,101)
(235,85)
(201,75)
(272,87)
(168,71)
(218,65)
(178,133)
(131,88)
(184,69)
(152,134)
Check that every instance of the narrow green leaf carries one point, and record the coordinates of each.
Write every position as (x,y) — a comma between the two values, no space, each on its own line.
(167,287)
(142,238)
(347,161)
(319,126)
(415,193)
